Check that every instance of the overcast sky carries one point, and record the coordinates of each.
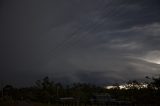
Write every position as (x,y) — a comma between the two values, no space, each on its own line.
(95,41)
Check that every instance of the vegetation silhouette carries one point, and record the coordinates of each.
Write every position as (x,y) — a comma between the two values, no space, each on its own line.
(48,92)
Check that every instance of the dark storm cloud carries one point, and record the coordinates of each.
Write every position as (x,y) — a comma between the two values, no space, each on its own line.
(100,41)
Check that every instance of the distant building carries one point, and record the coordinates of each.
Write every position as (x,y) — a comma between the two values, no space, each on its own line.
(102,98)
(67,100)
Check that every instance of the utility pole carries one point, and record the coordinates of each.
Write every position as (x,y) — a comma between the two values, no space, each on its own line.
(57,91)
(2,93)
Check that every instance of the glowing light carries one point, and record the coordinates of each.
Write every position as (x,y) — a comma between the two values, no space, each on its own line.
(157,62)
(153,61)
(125,86)
(153,57)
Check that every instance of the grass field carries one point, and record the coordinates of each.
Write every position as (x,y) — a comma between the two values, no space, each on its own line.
(9,103)
(23,103)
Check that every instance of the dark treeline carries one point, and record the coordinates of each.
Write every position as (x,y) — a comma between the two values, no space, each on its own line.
(47,91)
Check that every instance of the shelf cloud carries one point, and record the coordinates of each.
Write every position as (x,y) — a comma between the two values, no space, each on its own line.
(94,41)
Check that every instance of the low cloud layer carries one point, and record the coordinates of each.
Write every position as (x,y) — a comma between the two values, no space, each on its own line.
(95,41)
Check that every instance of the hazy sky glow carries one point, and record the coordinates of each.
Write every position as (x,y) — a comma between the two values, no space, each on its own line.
(95,41)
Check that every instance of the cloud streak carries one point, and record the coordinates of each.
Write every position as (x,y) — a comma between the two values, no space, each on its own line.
(101,42)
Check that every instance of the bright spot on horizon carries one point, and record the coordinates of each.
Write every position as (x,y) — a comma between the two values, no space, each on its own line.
(152,61)
(153,57)
(157,62)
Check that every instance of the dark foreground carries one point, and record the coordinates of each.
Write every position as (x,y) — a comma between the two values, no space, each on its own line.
(23,103)
(48,93)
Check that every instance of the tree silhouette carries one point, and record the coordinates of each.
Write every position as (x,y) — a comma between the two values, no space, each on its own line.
(156,82)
